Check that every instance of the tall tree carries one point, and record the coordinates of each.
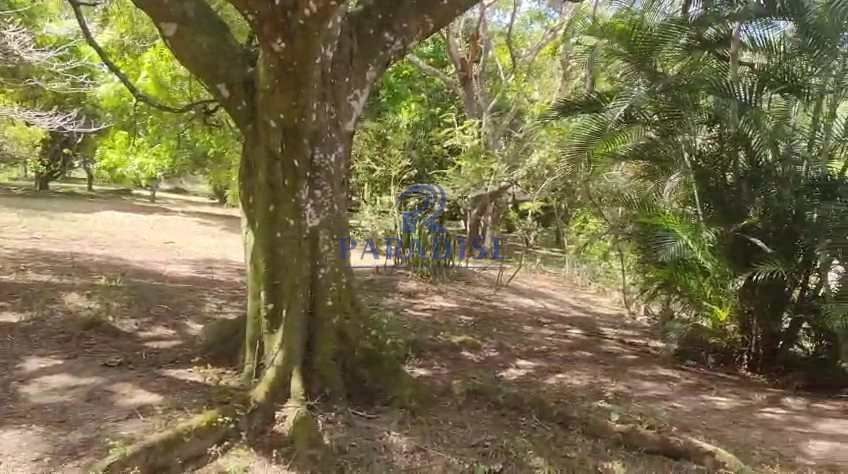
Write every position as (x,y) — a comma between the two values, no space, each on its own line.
(494,58)
(44,88)
(295,90)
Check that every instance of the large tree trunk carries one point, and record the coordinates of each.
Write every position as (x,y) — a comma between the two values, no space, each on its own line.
(303,324)
(296,103)
(298,287)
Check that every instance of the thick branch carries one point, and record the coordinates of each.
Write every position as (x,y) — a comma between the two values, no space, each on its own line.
(452,43)
(397,24)
(379,32)
(203,43)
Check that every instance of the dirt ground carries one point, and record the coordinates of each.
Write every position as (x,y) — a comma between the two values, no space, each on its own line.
(102,299)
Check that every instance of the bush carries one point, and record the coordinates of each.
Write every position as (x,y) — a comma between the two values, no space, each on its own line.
(702,345)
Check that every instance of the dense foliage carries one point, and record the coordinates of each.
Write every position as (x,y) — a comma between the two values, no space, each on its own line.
(725,133)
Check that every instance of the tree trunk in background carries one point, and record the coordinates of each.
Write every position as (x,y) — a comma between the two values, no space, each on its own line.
(56,157)
(483,214)
(842,338)
(471,53)
(762,322)
(790,336)
(42,181)
(220,194)
(591,57)
(89,175)
(560,221)
(153,187)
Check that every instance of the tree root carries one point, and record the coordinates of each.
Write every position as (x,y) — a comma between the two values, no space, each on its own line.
(679,447)
(597,424)
(172,450)
(301,427)
(194,441)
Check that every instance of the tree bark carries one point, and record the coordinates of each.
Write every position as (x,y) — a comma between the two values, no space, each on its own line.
(293,195)
(56,157)
(305,332)
(483,213)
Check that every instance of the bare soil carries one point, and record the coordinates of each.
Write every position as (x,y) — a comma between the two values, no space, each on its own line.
(102,299)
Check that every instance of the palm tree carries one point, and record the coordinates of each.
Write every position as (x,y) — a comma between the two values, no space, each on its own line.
(725,119)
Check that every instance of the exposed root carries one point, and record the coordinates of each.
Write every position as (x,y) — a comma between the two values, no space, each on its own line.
(192,443)
(369,376)
(174,449)
(597,424)
(679,447)
(301,427)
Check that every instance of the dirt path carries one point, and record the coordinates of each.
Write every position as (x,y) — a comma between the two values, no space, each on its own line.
(101,301)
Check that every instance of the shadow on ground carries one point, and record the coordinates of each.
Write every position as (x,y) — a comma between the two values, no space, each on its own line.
(570,346)
(93,350)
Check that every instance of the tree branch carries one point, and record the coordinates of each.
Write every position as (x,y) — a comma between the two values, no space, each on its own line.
(452,43)
(203,43)
(140,96)
(510,42)
(547,37)
(53,120)
(486,41)
(397,24)
(379,32)
(435,72)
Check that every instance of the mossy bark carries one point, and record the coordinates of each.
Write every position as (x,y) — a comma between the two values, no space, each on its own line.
(303,325)
(172,451)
